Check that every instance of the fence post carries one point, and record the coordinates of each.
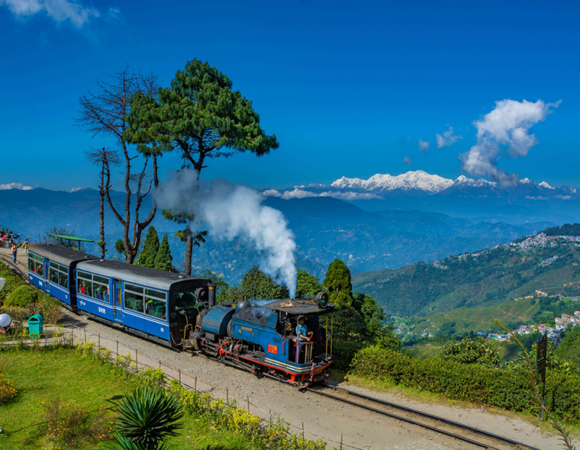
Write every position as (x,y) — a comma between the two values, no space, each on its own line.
(99,339)
(179,370)
(160,364)
(195,386)
(136,359)
(85,335)
(248,404)
(302,430)
(227,398)
(117,348)
(341,442)
(270,415)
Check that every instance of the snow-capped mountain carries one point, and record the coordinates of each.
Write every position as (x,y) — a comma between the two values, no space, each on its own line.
(417,180)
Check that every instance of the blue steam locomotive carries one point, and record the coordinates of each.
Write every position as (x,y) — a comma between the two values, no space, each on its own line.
(179,311)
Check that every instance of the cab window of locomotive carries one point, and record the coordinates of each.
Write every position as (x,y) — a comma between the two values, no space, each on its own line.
(183,300)
(155,303)
(134,297)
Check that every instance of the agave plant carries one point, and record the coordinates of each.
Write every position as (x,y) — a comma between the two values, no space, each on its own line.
(147,417)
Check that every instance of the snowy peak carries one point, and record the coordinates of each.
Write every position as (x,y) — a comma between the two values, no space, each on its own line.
(463,180)
(545,185)
(414,180)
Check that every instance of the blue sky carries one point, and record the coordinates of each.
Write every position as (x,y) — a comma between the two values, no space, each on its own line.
(349,88)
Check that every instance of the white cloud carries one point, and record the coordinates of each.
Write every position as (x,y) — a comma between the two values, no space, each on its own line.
(350,195)
(6,187)
(564,197)
(447,139)
(407,161)
(298,193)
(507,125)
(75,189)
(58,10)
(271,193)
(539,197)
(424,146)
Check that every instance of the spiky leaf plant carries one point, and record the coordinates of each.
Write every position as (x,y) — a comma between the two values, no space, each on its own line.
(147,417)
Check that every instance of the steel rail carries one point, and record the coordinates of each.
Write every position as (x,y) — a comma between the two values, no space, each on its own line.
(448,422)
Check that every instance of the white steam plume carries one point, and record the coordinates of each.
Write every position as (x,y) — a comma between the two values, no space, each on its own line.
(232,211)
(507,125)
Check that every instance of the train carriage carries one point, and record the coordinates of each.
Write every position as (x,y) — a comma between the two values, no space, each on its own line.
(51,268)
(150,303)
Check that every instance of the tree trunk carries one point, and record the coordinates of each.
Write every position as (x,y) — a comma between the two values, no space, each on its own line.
(188,252)
(102,192)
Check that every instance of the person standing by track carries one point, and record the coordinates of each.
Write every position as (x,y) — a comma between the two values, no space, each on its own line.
(14,250)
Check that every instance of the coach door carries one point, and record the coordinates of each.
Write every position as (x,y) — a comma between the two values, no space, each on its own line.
(117,303)
(46,274)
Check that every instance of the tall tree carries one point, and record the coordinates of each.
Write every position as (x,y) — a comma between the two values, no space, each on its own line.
(163,259)
(338,283)
(256,284)
(104,159)
(307,285)
(147,256)
(103,113)
(202,118)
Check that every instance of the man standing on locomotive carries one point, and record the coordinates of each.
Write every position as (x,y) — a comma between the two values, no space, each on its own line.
(304,336)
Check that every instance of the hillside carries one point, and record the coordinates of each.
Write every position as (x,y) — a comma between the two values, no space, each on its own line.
(326,228)
(480,279)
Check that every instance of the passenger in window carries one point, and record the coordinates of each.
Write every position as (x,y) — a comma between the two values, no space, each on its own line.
(98,294)
(83,289)
(106,295)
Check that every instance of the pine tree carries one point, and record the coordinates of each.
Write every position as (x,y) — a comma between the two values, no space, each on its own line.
(150,249)
(164,259)
(338,283)
(256,284)
(203,118)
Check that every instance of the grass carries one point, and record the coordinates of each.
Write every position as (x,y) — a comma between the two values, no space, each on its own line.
(87,383)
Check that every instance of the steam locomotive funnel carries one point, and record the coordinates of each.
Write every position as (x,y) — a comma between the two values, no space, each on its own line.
(211,294)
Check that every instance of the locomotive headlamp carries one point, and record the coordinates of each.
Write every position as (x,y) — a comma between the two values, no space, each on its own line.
(322,299)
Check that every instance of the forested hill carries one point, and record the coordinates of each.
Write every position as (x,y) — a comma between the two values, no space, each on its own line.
(565,230)
(549,263)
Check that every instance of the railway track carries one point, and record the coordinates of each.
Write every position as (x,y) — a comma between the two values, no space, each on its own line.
(14,266)
(470,435)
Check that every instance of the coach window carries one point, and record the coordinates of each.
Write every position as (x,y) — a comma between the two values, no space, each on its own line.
(85,283)
(134,297)
(35,263)
(155,303)
(59,274)
(100,288)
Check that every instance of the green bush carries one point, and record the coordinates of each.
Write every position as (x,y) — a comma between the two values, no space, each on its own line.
(22,296)
(504,388)
(343,352)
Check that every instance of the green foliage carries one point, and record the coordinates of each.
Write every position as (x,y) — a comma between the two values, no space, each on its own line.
(343,353)
(120,246)
(224,292)
(338,283)
(447,329)
(256,284)
(163,259)
(349,325)
(471,352)
(307,285)
(148,417)
(565,230)
(569,348)
(147,256)
(12,282)
(504,388)
(22,296)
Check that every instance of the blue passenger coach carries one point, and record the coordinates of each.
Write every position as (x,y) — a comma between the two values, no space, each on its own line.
(150,303)
(51,268)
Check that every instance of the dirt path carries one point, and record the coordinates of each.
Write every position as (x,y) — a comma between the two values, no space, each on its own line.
(322,418)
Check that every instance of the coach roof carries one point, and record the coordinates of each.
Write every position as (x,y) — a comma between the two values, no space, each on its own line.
(134,274)
(60,254)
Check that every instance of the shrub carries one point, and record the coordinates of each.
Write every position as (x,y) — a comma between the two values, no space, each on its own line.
(343,352)
(468,351)
(68,425)
(7,390)
(21,296)
(506,389)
